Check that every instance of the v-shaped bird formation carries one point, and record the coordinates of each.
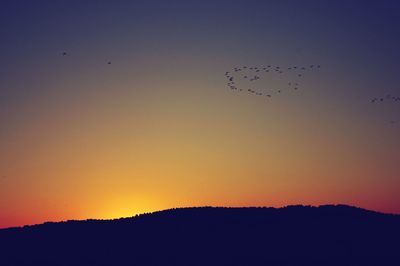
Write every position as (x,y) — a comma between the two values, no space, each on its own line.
(267,81)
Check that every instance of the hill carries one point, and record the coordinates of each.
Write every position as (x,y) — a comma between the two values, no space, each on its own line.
(293,235)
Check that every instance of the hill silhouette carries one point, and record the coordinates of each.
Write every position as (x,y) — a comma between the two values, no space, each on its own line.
(293,235)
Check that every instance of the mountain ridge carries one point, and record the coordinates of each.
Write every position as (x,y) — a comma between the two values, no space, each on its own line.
(291,235)
(324,206)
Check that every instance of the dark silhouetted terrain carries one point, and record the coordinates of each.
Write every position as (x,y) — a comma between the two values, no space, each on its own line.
(295,235)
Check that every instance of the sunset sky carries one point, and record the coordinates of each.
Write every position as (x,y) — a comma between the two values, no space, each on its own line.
(159,128)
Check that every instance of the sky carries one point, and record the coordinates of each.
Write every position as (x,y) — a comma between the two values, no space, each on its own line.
(159,128)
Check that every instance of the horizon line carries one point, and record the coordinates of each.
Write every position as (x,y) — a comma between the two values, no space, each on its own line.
(198,207)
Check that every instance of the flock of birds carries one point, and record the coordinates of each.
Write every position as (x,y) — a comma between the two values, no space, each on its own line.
(254,74)
(248,79)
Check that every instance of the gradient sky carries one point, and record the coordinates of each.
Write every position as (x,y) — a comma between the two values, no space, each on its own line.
(159,128)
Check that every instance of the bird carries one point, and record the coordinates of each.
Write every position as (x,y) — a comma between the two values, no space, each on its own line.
(64,53)
(109,63)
